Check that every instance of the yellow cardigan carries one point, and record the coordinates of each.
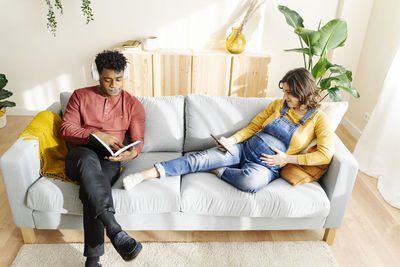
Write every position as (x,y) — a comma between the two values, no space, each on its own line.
(317,126)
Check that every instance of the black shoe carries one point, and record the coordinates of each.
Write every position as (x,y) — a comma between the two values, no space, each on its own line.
(126,246)
(90,263)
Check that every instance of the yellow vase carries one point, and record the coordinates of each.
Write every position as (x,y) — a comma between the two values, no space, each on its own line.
(236,42)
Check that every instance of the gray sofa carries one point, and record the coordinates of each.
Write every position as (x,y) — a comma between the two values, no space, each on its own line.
(199,201)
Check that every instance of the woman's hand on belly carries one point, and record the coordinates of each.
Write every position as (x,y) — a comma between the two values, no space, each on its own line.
(278,159)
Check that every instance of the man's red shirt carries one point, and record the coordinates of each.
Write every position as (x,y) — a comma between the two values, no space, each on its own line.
(88,111)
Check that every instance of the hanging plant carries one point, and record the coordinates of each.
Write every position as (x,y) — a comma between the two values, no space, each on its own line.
(51,17)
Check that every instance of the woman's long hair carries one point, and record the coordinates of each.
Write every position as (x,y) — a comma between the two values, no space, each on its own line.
(302,85)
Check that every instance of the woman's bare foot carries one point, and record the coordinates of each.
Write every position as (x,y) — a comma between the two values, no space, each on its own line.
(215,171)
(150,173)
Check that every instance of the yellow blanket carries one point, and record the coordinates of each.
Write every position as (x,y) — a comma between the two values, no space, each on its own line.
(45,127)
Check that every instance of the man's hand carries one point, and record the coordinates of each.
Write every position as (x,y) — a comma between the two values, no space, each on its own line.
(109,140)
(227,142)
(124,156)
(278,159)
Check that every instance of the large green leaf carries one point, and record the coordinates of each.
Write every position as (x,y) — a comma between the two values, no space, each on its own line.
(352,91)
(310,37)
(3,81)
(326,83)
(321,67)
(5,93)
(7,104)
(343,80)
(334,94)
(340,80)
(332,35)
(292,17)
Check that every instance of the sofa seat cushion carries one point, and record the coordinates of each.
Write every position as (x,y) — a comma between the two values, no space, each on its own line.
(204,193)
(151,196)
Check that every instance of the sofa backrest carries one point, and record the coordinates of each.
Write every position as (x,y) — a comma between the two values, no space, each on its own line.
(178,123)
(164,129)
(219,115)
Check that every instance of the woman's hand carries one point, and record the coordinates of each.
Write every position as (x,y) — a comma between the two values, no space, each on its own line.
(278,159)
(124,156)
(227,142)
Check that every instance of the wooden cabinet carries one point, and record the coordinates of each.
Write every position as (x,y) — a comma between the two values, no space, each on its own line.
(183,72)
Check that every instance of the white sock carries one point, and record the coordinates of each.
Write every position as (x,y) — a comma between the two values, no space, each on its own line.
(132,180)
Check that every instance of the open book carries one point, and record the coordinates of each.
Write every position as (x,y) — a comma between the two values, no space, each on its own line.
(98,145)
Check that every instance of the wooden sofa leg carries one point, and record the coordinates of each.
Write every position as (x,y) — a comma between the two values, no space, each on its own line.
(329,235)
(28,234)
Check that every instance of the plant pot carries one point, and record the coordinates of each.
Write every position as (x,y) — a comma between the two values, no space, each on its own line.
(3,117)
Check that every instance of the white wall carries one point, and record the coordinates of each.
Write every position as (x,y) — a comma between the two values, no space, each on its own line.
(39,66)
(380,45)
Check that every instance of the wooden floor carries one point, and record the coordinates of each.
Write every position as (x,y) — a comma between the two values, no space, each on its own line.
(369,236)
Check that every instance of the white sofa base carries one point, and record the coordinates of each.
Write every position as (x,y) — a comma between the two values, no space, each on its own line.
(179,221)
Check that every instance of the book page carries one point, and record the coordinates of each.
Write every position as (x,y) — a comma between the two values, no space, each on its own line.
(135,144)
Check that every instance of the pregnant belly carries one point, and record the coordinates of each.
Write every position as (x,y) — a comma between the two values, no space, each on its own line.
(262,143)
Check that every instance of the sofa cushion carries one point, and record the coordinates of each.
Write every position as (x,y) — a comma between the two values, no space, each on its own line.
(204,193)
(219,115)
(151,196)
(164,115)
(164,123)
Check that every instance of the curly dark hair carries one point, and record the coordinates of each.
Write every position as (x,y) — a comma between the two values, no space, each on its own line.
(302,85)
(112,60)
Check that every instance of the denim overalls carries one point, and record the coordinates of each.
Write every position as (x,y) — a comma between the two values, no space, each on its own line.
(244,169)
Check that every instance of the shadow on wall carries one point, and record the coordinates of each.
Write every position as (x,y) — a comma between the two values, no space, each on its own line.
(65,61)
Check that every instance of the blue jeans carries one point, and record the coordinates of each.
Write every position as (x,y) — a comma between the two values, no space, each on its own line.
(238,171)
(244,170)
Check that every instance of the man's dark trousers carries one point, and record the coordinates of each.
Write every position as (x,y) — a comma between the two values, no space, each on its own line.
(96,175)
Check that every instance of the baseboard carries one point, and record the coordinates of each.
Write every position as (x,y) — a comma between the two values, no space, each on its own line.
(351,128)
(18,111)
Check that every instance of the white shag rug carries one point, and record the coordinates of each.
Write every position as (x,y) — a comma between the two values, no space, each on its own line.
(300,253)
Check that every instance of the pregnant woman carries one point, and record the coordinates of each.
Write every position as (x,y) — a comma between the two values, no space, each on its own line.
(272,139)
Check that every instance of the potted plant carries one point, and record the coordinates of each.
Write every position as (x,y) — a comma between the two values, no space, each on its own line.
(3,104)
(331,78)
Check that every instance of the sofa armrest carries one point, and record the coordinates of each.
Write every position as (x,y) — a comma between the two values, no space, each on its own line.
(338,183)
(20,166)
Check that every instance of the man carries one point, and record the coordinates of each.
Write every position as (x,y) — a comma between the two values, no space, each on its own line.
(108,112)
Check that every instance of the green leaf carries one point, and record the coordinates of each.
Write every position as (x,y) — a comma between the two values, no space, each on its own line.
(310,37)
(7,104)
(332,35)
(340,80)
(3,81)
(320,68)
(352,91)
(5,93)
(292,17)
(326,83)
(334,94)
(343,81)
(299,50)
(349,75)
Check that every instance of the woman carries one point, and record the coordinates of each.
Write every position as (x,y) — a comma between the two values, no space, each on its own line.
(273,138)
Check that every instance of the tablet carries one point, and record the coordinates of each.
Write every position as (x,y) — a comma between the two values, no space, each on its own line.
(216,139)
